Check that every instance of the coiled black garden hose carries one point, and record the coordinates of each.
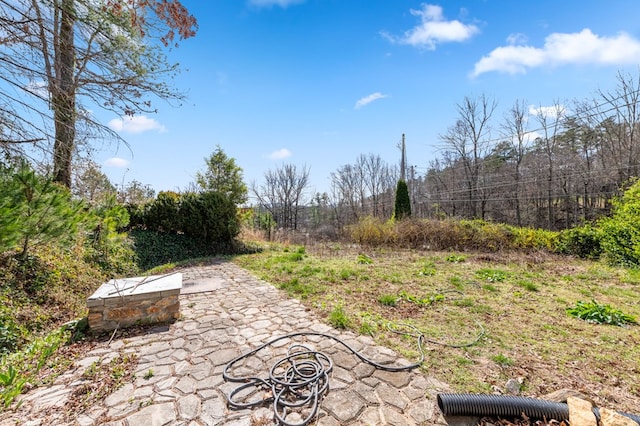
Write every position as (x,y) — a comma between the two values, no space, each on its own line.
(300,379)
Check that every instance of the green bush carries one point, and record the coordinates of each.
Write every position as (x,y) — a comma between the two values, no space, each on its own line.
(450,234)
(210,216)
(372,231)
(153,248)
(163,213)
(533,239)
(107,247)
(582,241)
(620,233)
(481,235)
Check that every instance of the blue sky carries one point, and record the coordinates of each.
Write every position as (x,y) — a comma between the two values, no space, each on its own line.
(318,82)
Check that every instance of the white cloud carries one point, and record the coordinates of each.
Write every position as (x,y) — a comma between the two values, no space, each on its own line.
(551,112)
(135,124)
(368,99)
(517,38)
(433,29)
(280,154)
(116,162)
(584,47)
(268,3)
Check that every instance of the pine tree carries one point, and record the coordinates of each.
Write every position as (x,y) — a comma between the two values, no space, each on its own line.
(223,175)
(403,203)
(43,209)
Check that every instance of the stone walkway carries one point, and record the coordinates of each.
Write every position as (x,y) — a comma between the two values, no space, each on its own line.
(227,312)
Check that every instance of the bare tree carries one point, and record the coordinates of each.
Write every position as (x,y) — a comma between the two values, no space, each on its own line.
(90,183)
(61,58)
(619,113)
(283,194)
(347,188)
(550,121)
(517,135)
(469,139)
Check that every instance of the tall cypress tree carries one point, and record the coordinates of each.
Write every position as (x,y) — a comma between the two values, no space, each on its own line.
(403,203)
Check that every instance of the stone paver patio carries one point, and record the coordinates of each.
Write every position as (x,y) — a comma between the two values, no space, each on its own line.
(227,312)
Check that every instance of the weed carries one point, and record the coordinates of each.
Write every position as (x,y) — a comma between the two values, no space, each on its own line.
(428,269)
(363,259)
(338,317)
(489,287)
(596,313)
(465,302)
(149,374)
(7,379)
(388,300)
(456,282)
(295,288)
(346,273)
(456,258)
(463,362)
(422,301)
(295,256)
(502,360)
(527,285)
(491,275)
(91,371)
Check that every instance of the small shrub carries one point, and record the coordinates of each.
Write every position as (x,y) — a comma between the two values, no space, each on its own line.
(596,313)
(456,282)
(466,302)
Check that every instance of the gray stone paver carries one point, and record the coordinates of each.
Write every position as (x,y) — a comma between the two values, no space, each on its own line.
(179,380)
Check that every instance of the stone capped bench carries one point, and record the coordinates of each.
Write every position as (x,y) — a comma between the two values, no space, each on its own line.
(124,302)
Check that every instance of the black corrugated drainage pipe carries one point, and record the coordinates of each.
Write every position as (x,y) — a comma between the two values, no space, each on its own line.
(452,404)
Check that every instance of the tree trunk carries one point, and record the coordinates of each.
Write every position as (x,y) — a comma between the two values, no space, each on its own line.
(63,97)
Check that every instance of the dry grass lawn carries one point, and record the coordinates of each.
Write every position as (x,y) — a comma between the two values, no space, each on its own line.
(488,318)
